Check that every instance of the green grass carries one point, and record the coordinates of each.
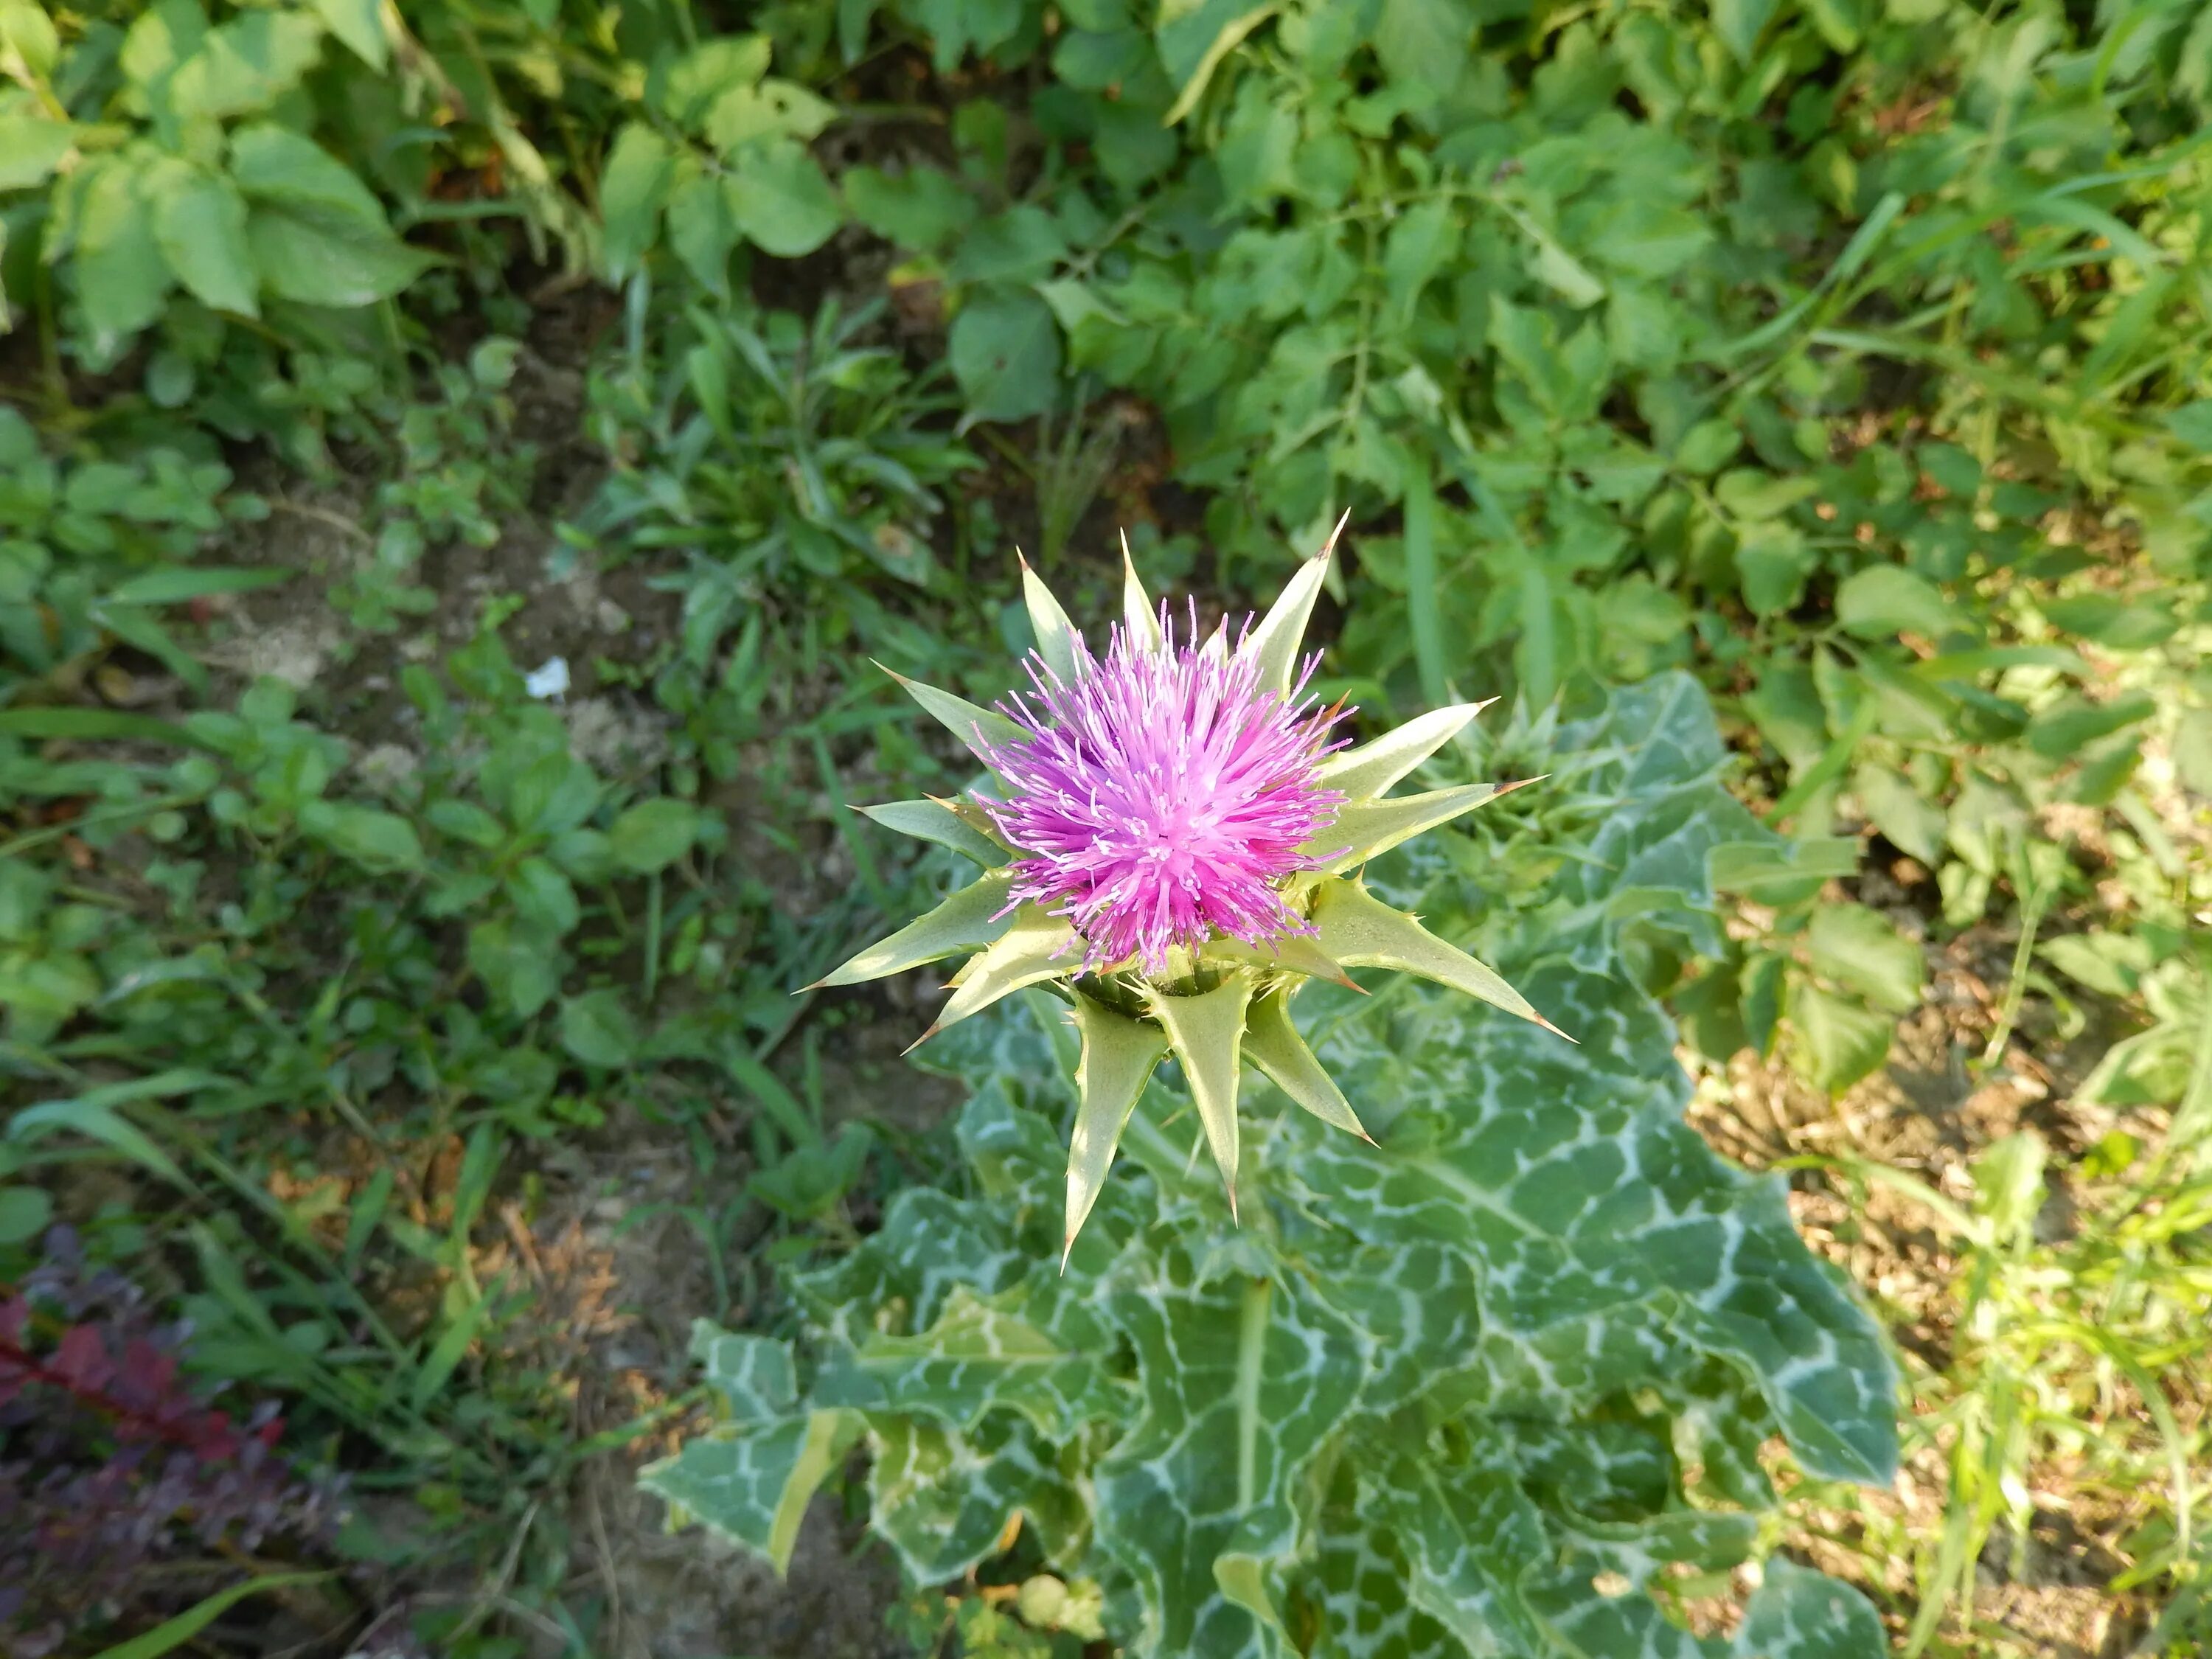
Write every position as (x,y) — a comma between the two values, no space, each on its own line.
(1856,357)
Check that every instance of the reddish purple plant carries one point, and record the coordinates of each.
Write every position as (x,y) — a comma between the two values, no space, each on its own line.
(1159,797)
(109,1462)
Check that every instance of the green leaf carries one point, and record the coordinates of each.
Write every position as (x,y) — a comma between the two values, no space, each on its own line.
(1004,352)
(598,1029)
(1912,821)
(1853,947)
(94,724)
(753,1375)
(1369,770)
(924,207)
(754,1489)
(317,261)
(652,833)
(24,1213)
(633,189)
(1119,1056)
(780,199)
(371,838)
(246,63)
(1740,22)
(31,147)
(277,166)
(1365,830)
(121,277)
(1057,640)
(1194,36)
(359,25)
(1273,1043)
(1839,1039)
(94,1115)
(981,729)
(179,587)
(1358,930)
(1208,1033)
(1885,600)
(199,220)
(173,1633)
(1773,559)
(516,968)
(969,920)
(701,227)
(947,824)
(1014,248)
(1139,618)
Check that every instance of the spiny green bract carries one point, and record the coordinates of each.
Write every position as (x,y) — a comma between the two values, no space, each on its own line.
(1225,1000)
(1491,1387)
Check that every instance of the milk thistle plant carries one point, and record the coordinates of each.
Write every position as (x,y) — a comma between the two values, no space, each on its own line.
(1172,839)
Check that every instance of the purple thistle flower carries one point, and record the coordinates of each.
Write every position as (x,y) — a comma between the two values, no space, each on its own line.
(1161,797)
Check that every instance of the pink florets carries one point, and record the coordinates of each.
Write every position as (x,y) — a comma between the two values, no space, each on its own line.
(1162,797)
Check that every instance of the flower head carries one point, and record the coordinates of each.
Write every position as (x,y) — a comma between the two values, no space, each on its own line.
(1160,796)
(1172,843)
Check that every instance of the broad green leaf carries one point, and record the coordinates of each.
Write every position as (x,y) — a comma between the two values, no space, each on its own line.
(1273,1043)
(1360,930)
(199,220)
(753,1375)
(1194,36)
(1036,947)
(981,729)
(969,920)
(276,167)
(1208,1033)
(701,227)
(652,833)
(754,1488)
(1885,600)
(945,822)
(1839,1039)
(781,200)
(1365,830)
(1740,22)
(359,25)
(1853,947)
(598,1029)
(121,277)
(1119,1056)
(633,189)
(1004,349)
(923,208)
(245,64)
(317,261)
(1057,640)
(373,838)
(1900,811)
(31,147)
(1369,771)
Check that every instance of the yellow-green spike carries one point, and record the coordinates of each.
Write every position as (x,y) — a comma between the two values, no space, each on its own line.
(1141,621)
(1036,946)
(1360,930)
(942,822)
(1119,1056)
(979,728)
(1207,1033)
(1368,772)
(968,920)
(1371,828)
(1056,638)
(1273,1043)
(1294,953)
(1274,644)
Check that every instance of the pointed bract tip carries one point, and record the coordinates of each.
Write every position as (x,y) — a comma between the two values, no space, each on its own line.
(1233,1220)
(934,1030)
(817,985)
(1555,1031)
(1330,546)
(1521,783)
(1021,558)
(1067,1250)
